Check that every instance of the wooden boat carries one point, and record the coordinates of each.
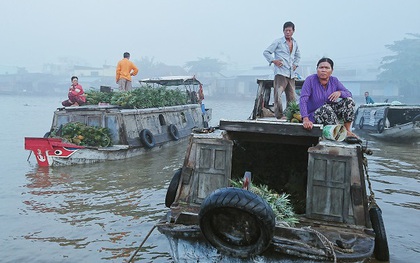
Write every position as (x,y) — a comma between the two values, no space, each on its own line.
(132,131)
(389,121)
(211,221)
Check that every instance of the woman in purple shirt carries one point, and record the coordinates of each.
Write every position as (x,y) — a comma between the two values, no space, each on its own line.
(325,100)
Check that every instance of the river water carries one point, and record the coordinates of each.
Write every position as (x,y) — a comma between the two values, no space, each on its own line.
(103,212)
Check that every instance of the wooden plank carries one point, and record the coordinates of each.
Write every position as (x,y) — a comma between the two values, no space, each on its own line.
(278,128)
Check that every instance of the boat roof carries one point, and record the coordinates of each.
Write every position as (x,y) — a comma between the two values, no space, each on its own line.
(394,105)
(172,80)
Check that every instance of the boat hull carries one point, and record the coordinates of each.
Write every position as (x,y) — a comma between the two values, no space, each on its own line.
(167,126)
(188,244)
(399,123)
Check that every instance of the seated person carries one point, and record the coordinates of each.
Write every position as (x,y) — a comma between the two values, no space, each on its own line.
(369,100)
(76,94)
(325,100)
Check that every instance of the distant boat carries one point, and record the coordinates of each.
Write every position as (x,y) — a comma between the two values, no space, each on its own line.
(133,131)
(390,121)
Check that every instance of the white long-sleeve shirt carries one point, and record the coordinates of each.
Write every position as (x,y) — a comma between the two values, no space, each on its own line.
(281,51)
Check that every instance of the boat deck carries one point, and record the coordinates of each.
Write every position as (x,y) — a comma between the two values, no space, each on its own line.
(271,130)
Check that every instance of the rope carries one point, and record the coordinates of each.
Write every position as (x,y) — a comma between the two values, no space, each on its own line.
(141,245)
(328,244)
(372,201)
(29,156)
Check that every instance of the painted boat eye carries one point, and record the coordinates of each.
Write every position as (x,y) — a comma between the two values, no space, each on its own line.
(58,152)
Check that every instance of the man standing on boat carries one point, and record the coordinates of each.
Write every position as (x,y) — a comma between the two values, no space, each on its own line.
(125,69)
(285,55)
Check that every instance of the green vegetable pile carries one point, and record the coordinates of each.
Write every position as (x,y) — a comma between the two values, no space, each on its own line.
(280,203)
(140,98)
(81,134)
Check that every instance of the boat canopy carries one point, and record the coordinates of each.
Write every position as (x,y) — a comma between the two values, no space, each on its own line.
(172,80)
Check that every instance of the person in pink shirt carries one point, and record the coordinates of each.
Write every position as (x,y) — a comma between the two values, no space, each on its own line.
(76,95)
(125,69)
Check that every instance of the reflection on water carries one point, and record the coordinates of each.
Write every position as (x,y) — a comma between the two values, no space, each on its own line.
(395,173)
(111,205)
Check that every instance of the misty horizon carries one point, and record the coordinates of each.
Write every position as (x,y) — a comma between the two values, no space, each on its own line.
(93,33)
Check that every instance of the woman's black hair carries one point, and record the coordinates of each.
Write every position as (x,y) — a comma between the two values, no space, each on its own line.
(74,77)
(326,60)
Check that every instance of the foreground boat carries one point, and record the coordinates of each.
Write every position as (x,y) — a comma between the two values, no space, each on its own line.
(132,131)
(390,121)
(211,221)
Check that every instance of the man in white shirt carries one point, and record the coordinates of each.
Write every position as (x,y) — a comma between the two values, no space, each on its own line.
(285,55)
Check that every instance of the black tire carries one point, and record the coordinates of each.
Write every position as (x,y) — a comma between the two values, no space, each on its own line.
(381,125)
(224,215)
(417,118)
(147,139)
(172,188)
(381,250)
(361,123)
(173,132)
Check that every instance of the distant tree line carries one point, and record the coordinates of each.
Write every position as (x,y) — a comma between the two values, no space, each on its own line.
(403,68)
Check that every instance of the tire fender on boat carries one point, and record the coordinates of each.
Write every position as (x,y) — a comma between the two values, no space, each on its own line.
(225,213)
(147,139)
(361,123)
(172,188)
(173,131)
(381,125)
(381,250)
(415,119)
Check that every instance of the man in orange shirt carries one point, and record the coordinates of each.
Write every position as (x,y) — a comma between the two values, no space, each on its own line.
(125,69)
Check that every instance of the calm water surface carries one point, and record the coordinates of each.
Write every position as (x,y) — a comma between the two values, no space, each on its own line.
(102,212)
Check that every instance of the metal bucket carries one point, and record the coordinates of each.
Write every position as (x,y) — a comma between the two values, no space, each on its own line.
(334,132)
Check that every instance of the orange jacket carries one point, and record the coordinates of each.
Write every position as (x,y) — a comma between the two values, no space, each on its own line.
(126,69)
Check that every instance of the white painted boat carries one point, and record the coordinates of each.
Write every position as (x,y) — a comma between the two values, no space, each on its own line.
(132,131)
(389,121)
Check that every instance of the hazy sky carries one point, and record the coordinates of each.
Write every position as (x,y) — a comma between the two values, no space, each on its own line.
(97,32)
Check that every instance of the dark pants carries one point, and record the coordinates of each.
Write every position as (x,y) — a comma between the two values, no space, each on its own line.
(282,84)
(72,100)
(332,113)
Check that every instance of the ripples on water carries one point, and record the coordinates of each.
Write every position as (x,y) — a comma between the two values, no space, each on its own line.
(81,213)
(102,212)
(395,173)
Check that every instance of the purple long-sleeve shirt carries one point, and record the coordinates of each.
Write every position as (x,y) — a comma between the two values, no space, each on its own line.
(313,95)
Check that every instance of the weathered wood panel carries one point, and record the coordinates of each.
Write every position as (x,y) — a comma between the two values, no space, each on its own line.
(207,167)
(213,168)
(270,127)
(328,190)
